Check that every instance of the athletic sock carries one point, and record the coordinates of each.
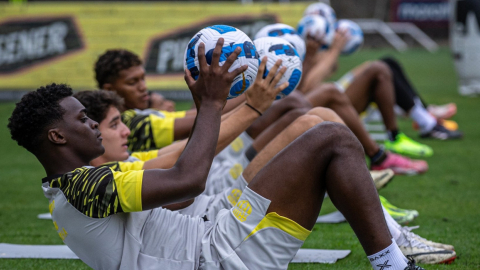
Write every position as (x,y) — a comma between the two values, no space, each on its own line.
(392,134)
(251,153)
(425,121)
(392,225)
(390,258)
(379,157)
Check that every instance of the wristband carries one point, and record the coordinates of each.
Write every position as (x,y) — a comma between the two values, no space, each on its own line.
(254,109)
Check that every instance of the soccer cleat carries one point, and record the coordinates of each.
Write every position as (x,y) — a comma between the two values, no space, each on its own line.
(408,231)
(405,146)
(448,124)
(382,178)
(443,111)
(393,208)
(401,165)
(422,253)
(441,133)
(411,265)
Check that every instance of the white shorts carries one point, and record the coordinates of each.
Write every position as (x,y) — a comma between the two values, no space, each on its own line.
(223,174)
(245,237)
(209,206)
(236,148)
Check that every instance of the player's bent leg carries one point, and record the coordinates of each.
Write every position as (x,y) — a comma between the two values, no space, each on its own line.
(374,83)
(327,158)
(278,109)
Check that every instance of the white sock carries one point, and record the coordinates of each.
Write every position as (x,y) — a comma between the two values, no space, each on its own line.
(420,115)
(390,258)
(393,226)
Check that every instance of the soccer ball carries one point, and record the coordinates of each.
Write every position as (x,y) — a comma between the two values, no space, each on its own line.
(316,26)
(323,10)
(326,12)
(355,36)
(277,48)
(286,32)
(233,38)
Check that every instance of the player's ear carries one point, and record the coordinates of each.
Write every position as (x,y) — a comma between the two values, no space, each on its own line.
(55,136)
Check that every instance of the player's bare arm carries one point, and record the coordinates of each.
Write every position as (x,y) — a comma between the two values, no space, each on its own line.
(210,91)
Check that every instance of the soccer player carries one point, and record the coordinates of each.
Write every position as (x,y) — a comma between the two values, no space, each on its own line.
(410,102)
(97,211)
(371,82)
(104,107)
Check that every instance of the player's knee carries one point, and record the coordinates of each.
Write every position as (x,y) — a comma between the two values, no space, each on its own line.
(381,70)
(306,122)
(336,137)
(324,113)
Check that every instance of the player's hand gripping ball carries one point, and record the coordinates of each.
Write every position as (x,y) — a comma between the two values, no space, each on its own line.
(327,12)
(277,48)
(233,38)
(286,32)
(316,27)
(354,36)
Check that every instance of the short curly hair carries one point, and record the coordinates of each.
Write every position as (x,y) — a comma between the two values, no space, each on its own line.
(112,62)
(35,112)
(98,103)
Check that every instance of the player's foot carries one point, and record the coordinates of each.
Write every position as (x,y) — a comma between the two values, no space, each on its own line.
(406,146)
(400,215)
(448,124)
(443,111)
(441,133)
(422,253)
(408,231)
(401,165)
(382,178)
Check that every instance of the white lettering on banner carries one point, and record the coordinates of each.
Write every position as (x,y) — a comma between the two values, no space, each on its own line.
(424,11)
(171,50)
(33,44)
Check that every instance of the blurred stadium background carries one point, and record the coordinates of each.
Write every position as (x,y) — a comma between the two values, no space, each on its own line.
(58,41)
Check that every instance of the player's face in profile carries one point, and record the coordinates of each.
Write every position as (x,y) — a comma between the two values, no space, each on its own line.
(159,102)
(114,133)
(80,132)
(131,86)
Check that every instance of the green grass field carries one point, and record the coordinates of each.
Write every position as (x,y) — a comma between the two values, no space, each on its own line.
(447,196)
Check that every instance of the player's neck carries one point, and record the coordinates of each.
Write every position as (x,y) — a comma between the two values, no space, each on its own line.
(61,164)
(100,161)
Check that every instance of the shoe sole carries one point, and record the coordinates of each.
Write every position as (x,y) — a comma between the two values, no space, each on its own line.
(448,261)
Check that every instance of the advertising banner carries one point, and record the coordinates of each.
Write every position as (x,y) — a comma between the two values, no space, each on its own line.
(49,42)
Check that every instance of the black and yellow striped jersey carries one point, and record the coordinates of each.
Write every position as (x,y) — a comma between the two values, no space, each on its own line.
(150,129)
(101,192)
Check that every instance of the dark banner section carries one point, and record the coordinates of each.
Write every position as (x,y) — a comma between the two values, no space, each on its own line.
(432,16)
(165,54)
(32,41)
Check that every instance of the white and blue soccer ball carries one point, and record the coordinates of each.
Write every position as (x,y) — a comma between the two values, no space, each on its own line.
(327,12)
(233,38)
(315,26)
(286,32)
(354,35)
(277,48)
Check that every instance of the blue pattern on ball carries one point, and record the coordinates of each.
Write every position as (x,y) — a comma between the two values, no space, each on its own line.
(248,51)
(292,83)
(283,49)
(239,87)
(281,32)
(222,29)
(191,57)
